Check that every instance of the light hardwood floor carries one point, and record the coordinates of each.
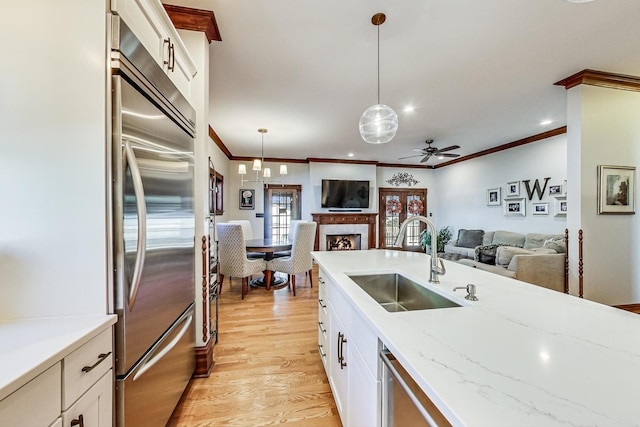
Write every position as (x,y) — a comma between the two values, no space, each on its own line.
(267,369)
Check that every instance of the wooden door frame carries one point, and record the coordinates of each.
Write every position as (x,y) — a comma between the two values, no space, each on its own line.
(382,214)
(267,204)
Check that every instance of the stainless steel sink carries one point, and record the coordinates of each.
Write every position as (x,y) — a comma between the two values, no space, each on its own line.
(396,293)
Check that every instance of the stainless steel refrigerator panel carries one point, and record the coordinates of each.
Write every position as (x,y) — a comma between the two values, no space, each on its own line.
(151,390)
(153,222)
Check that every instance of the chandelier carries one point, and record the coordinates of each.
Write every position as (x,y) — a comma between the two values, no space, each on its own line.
(258,165)
(379,123)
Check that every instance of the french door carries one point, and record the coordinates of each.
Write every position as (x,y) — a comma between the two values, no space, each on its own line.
(395,206)
(281,205)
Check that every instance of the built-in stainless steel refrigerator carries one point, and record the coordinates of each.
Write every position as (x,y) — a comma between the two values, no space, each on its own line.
(152,131)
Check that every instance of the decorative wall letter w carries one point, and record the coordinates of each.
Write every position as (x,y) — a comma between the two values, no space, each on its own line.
(536,188)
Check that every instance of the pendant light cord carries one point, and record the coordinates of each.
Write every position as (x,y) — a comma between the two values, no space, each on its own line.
(378,64)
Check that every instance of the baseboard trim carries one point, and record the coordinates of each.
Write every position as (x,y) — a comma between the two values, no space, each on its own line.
(204,360)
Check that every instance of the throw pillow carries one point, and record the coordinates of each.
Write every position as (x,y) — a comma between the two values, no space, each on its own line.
(555,243)
(470,238)
(505,253)
(486,254)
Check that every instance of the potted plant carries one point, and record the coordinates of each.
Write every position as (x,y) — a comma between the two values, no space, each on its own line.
(444,235)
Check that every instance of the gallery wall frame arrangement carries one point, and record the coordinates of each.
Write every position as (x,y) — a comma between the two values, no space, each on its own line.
(494,196)
(541,208)
(555,190)
(247,199)
(514,207)
(513,189)
(616,189)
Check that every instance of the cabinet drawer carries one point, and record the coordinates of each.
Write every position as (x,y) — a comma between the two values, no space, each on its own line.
(83,367)
(94,408)
(37,403)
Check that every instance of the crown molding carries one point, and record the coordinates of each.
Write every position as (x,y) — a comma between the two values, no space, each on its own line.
(602,79)
(186,18)
(540,136)
(518,143)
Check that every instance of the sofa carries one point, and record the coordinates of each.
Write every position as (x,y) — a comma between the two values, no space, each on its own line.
(534,257)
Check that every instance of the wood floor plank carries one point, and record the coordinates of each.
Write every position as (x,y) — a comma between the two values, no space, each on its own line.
(267,369)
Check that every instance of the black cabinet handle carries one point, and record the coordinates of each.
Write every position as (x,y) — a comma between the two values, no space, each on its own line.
(341,340)
(101,358)
(321,328)
(322,304)
(78,421)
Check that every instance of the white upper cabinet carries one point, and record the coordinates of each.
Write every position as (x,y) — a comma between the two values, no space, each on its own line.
(152,26)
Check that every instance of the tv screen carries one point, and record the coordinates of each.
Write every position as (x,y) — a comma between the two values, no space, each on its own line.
(341,193)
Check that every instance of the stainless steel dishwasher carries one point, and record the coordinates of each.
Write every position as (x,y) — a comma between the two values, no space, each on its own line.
(403,402)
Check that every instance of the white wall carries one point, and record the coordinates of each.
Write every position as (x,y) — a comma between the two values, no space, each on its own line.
(462,188)
(320,170)
(425,178)
(603,129)
(53,244)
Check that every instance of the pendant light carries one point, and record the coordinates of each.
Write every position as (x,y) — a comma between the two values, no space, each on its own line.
(258,165)
(379,123)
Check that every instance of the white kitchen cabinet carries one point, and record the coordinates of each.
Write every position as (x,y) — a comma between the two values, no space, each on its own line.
(93,408)
(353,347)
(57,422)
(152,26)
(37,403)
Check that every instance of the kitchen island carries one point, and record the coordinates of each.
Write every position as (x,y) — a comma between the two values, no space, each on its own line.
(521,355)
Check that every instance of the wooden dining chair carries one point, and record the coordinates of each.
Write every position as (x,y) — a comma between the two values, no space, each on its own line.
(232,254)
(300,260)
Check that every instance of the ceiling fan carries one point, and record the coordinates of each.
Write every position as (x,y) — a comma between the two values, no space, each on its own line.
(432,151)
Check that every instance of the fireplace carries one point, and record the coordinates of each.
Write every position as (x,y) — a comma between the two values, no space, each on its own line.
(343,242)
(342,224)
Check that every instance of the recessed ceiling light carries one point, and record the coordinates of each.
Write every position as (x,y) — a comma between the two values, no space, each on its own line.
(579,1)
(408,109)
(350,154)
(545,122)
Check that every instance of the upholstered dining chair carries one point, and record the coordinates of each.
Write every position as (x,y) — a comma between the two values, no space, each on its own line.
(300,260)
(232,253)
(293,226)
(247,231)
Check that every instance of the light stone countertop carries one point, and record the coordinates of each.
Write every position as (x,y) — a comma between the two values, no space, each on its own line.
(30,346)
(521,355)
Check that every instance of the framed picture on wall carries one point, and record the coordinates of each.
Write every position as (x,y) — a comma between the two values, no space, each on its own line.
(560,206)
(514,207)
(540,208)
(513,189)
(494,197)
(247,199)
(616,190)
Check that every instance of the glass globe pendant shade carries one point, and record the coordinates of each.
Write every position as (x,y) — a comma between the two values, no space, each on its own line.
(378,124)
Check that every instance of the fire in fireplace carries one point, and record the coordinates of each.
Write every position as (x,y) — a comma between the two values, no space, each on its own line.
(343,242)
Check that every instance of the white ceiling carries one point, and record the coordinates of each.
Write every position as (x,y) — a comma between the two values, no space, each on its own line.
(479,73)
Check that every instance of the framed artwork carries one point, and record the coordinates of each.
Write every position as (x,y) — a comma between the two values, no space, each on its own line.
(513,189)
(560,206)
(494,197)
(247,199)
(540,208)
(555,190)
(616,189)
(514,207)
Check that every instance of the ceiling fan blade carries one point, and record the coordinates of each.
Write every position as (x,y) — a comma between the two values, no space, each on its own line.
(425,158)
(418,150)
(453,147)
(449,155)
(408,157)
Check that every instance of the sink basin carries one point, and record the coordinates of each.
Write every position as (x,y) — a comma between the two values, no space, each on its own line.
(397,293)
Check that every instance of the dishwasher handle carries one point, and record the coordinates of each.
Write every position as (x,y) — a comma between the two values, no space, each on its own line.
(386,356)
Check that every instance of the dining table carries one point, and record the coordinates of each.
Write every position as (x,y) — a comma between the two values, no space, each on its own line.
(269,247)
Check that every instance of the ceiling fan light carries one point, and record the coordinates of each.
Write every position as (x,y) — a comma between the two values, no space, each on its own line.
(378,124)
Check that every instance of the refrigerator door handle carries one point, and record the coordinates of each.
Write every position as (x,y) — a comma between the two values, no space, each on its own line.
(155,358)
(130,157)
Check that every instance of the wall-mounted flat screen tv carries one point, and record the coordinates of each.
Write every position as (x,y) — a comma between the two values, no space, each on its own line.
(342,193)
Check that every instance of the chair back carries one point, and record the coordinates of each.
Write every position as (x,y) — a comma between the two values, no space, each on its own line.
(231,249)
(305,235)
(247,229)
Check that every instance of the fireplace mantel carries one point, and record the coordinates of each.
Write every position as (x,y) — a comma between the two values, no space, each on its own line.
(346,218)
